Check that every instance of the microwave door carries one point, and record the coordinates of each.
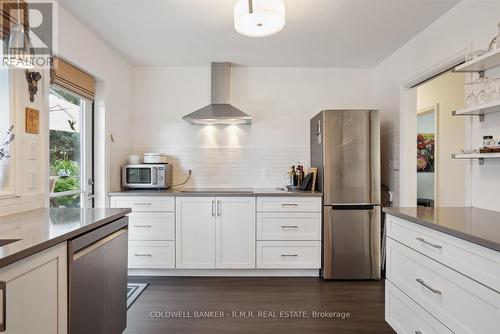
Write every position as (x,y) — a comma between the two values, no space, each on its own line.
(137,177)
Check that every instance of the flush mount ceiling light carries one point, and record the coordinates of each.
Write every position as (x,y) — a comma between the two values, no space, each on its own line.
(259,18)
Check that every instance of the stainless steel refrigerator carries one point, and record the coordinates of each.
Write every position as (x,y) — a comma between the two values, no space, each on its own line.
(345,147)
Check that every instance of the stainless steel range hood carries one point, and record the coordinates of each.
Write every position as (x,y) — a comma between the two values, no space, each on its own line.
(220,111)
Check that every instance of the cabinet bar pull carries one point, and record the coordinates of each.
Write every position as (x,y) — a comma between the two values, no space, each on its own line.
(146,226)
(213,208)
(142,254)
(289,226)
(3,289)
(143,204)
(429,243)
(219,211)
(421,281)
(289,254)
(289,204)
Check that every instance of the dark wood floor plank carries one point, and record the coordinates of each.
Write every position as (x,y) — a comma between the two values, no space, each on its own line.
(363,299)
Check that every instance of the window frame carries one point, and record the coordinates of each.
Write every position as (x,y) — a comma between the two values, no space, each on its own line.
(86,167)
(13,189)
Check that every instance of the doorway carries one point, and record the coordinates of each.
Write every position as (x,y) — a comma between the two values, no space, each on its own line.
(430,135)
(71,151)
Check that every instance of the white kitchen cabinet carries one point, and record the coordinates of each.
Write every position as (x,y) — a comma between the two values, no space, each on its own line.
(151,226)
(36,293)
(235,232)
(195,232)
(454,282)
(151,254)
(289,254)
(151,230)
(215,232)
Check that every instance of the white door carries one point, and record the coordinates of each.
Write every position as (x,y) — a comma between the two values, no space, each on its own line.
(35,293)
(235,232)
(195,232)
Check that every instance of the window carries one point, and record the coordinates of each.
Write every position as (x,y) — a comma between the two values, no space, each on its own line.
(6,121)
(70,149)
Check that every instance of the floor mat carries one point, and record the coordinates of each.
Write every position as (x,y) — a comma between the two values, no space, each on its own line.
(134,290)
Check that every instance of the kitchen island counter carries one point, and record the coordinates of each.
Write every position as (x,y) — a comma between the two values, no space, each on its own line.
(475,225)
(24,234)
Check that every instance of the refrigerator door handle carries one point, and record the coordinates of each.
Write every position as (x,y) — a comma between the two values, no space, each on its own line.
(353,206)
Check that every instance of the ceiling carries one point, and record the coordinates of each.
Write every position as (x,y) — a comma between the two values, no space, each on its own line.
(318,33)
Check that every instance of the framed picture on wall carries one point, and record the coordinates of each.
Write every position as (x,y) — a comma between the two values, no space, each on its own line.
(425,152)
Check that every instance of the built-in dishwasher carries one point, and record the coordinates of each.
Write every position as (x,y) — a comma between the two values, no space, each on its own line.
(97,274)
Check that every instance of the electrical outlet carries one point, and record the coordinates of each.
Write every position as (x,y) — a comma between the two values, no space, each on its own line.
(32,180)
(31,149)
(266,172)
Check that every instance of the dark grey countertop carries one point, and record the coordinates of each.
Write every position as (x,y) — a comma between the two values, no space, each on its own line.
(43,228)
(478,226)
(271,192)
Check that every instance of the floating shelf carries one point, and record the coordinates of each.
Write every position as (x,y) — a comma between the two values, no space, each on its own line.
(479,110)
(479,156)
(481,64)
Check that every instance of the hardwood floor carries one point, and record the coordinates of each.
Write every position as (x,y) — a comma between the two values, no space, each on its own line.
(364,300)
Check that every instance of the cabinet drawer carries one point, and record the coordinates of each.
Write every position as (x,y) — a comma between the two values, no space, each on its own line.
(289,204)
(151,254)
(477,262)
(289,226)
(461,304)
(145,203)
(151,226)
(289,254)
(405,316)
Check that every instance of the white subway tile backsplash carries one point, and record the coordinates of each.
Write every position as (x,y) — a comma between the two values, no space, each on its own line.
(232,167)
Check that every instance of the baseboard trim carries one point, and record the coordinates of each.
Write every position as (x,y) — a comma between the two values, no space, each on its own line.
(226,272)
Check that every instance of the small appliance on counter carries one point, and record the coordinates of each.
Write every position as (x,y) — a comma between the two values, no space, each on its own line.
(155,158)
(147,176)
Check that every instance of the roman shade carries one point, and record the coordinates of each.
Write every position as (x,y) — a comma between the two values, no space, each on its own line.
(72,78)
(8,16)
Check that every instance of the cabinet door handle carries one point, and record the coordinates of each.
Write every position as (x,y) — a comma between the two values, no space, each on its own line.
(290,204)
(142,204)
(219,211)
(429,243)
(289,255)
(289,226)
(143,254)
(421,281)
(3,290)
(145,226)
(213,208)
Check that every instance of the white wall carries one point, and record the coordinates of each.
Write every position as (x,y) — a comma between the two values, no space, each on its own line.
(471,21)
(22,196)
(83,48)
(281,101)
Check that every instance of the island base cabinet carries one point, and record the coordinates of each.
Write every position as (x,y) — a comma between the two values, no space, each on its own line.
(406,316)
(34,294)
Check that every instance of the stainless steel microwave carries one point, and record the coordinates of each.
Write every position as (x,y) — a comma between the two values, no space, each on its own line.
(147,176)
